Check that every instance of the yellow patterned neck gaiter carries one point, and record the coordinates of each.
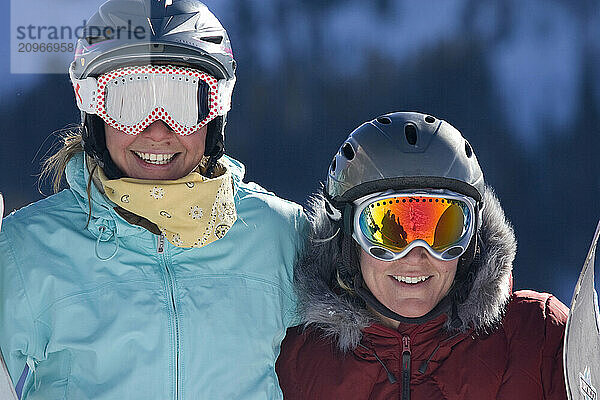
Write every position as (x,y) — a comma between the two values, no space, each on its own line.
(192,211)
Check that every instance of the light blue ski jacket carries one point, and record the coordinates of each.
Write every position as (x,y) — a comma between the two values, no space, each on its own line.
(155,321)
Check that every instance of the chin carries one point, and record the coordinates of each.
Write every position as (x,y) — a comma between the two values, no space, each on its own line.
(413,310)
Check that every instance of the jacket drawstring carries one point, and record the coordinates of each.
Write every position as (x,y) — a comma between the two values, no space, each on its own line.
(31,363)
(102,229)
(391,377)
(456,323)
(425,363)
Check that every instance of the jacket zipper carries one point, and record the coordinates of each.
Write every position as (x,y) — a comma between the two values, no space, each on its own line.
(170,282)
(406,367)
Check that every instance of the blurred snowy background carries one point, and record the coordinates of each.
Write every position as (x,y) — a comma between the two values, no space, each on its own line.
(519,78)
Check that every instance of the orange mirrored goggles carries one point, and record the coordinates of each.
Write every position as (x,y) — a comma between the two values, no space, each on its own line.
(388,226)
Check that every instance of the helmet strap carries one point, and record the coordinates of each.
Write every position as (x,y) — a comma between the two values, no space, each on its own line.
(444,306)
(94,144)
(214,144)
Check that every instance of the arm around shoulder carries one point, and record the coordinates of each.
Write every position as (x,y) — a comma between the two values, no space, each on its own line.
(535,327)
(287,364)
(553,380)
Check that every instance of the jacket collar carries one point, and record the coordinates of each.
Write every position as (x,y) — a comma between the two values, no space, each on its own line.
(430,344)
(344,317)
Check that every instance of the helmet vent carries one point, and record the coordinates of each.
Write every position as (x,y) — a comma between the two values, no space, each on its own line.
(384,120)
(468,149)
(429,119)
(410,131)
(348,151)
(212,39)
(96,39)
(333,165)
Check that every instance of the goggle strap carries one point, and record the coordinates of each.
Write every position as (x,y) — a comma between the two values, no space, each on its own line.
(85,92)
(203,103)
(225,90)
(349,268)
(410,183)
(348,219)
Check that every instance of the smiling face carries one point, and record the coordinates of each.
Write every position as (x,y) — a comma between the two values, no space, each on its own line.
(156,153)
(410,286)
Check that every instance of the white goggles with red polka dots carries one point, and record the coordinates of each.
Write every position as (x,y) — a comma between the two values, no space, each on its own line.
(130,99)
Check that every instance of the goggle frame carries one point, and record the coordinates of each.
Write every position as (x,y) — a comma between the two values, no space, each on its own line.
(158,111)
(383,253)
(90,96)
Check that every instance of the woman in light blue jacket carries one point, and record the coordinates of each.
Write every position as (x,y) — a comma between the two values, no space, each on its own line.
(159,273)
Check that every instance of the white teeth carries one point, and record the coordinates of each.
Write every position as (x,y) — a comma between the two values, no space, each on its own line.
(158,159)
(411,279)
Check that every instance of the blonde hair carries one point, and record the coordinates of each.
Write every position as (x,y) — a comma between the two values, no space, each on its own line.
(53,168)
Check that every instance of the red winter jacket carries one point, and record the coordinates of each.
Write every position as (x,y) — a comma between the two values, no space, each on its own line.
(498,345)
(522,359)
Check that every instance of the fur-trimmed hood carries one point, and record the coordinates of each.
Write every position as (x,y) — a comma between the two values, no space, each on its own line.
(344,316)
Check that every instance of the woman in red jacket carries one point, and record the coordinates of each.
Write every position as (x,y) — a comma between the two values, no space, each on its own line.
(405,286)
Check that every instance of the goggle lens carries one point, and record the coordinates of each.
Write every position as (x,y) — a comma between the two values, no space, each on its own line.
(395,222)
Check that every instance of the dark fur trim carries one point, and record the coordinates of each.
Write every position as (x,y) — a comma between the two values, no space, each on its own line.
(342,316)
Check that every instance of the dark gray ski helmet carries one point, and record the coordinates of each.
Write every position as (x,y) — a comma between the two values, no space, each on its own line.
(403,150)
(142,32)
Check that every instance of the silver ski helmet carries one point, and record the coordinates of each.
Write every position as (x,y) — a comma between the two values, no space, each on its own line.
(401,151)
(142,32)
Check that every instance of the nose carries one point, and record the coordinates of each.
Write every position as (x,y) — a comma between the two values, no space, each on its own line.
(158,131)
(416,254)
